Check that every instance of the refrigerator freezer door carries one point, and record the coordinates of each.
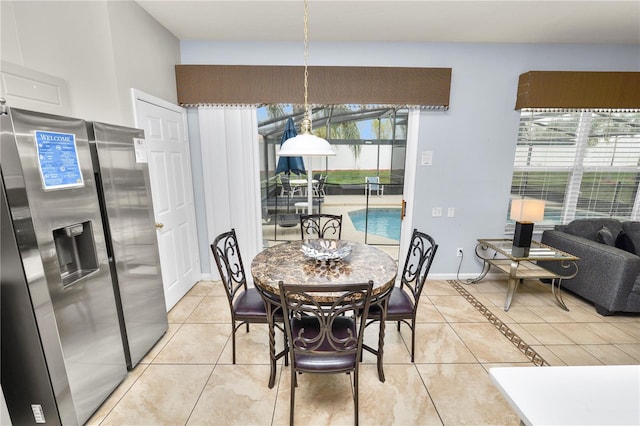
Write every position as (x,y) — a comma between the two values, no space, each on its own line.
(77,322)
(19,332)
(126,197)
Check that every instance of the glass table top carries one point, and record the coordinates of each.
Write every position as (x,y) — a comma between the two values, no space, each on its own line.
(538,251)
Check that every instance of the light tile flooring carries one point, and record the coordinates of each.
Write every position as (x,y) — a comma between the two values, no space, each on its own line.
(188,378)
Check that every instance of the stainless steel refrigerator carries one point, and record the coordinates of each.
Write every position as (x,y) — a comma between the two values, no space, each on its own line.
(62,352)
(124,191)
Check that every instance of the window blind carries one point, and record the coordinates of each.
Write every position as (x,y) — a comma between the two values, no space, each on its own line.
(545,156)
(611,163)
(583,163)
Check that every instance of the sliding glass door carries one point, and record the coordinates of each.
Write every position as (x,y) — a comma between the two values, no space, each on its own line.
(370,144)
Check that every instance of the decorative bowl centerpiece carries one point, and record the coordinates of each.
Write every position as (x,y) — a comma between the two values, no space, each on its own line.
(326,250)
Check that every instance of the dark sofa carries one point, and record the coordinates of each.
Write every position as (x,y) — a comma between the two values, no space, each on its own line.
(608,276)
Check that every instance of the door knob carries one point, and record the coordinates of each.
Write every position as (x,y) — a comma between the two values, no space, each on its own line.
(159,225)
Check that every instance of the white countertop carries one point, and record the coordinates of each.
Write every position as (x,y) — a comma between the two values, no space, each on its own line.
(585,395)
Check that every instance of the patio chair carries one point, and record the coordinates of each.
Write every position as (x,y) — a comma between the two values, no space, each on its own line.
(287,189)
(402,304)
(318,188)
(247,304)
(266,217)
(321,225)
(324,336)
(372,183)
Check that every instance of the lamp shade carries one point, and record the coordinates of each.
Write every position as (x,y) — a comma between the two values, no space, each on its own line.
(305,145)
(527,210)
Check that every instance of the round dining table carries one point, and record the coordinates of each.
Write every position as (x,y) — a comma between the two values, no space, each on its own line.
(286,262)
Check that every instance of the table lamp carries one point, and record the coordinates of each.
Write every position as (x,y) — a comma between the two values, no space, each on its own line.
(525,212)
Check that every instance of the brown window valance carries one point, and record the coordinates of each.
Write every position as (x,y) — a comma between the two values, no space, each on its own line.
(577,89)
(242,84)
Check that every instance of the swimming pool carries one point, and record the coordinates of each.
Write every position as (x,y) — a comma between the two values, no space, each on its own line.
(382,222)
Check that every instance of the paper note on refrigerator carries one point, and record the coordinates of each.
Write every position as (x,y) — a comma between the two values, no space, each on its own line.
(141,150)
(58,160)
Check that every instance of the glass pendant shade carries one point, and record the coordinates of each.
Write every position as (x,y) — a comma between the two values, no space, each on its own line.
(306,144)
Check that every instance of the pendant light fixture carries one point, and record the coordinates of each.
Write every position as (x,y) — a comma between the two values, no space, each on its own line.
(306,144)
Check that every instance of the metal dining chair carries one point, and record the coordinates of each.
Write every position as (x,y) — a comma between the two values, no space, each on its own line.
(247,304)
(321,225)
(401,304)
(325,336)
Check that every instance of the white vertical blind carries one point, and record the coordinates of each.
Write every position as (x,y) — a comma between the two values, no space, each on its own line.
(584,163)
(230,163)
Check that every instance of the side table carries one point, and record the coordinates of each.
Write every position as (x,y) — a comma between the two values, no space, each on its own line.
(301,205)
(498,253)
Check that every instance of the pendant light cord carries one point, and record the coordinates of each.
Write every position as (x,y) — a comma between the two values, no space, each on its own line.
(305,126)
(306,143)
(306,53)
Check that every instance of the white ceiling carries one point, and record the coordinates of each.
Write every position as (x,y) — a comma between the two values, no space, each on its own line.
(515,21)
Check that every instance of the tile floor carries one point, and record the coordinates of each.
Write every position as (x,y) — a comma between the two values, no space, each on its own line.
(188,378)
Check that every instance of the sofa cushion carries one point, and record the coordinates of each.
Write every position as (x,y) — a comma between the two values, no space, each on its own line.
(632,232)
(625,243)
(632,229)
(605,236)
(588,228)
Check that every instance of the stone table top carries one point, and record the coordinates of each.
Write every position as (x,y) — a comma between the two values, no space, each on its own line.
(287,263)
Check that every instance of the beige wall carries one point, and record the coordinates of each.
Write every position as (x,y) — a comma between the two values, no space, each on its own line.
(101,49)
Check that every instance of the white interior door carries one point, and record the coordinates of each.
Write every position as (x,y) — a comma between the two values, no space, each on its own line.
(167,148)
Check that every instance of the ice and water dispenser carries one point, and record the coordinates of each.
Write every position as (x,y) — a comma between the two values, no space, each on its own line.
(76,251)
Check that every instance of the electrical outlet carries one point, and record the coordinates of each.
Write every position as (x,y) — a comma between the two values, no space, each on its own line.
(459,252)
